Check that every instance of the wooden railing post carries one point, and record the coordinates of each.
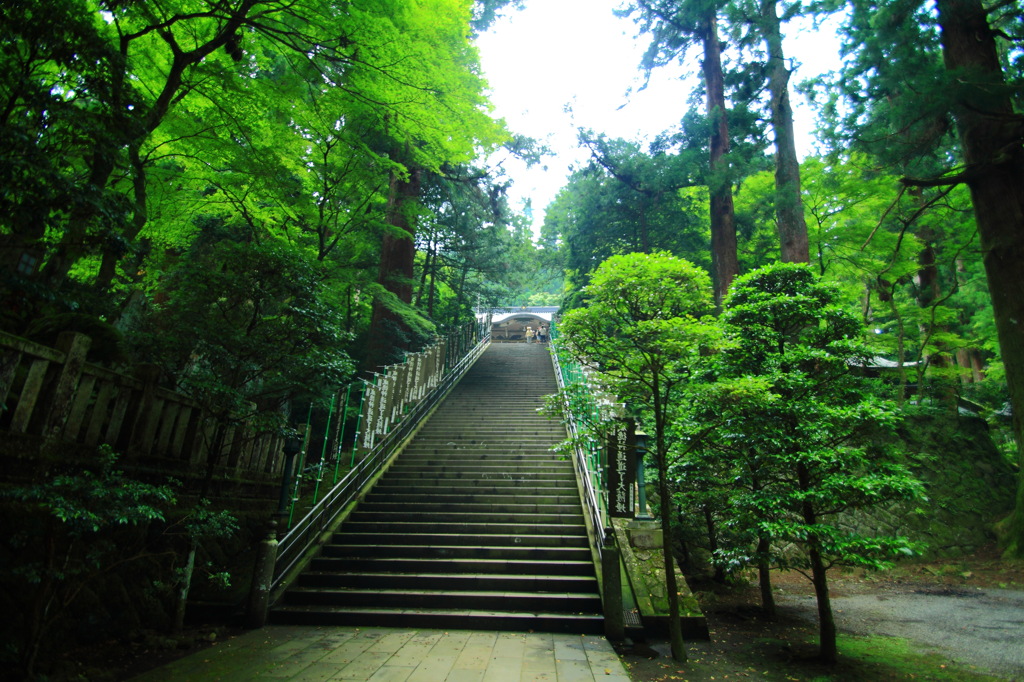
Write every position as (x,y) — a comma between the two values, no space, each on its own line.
(9,361)
(144,425)
(74,346)
(30,391)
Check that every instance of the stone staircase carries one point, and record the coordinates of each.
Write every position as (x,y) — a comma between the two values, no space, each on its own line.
(477,525)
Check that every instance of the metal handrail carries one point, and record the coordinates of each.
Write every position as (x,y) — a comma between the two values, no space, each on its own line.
(297,542)
(593,508)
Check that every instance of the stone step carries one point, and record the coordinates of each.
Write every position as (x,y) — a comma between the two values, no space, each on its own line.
(460,516)
(537,486)
(534,444)
(441,619)
(473,497)
(475,455)
(506,553)
(458,581)
(483,473)
(403,566)
(472,408)
(508,451)
(383,505)
(473,530)
(498,600)
(421,537)
(480,465)
(477,524)
(454,434)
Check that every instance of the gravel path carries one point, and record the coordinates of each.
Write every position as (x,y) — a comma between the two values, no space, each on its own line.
(980,627)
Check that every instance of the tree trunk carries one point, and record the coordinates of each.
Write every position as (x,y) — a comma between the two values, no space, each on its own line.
(724,261)
(184,586)
(645,240)
(430,296)
(348,308)
(990,134)
(929,294)
(675,629)
(72,245)
(427,264)
(709,524)
(827,648)
(111,254)
(460,297)
(764,577)
(37,615)
(789,207)
(213,456)
(397,261)
(969,359)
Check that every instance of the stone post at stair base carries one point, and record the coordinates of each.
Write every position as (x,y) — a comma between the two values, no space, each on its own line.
(262,578)
(614,620)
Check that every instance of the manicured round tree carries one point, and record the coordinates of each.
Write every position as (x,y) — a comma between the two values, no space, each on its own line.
(642,329)
(807,436)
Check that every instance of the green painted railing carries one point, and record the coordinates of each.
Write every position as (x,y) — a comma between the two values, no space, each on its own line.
(582,409)
(402,410)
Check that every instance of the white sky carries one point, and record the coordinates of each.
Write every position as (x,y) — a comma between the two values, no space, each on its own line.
(555,53)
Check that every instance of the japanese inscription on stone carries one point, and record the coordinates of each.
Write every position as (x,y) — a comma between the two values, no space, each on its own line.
(622,470)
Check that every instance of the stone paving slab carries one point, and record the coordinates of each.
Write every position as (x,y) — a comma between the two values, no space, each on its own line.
(318,654)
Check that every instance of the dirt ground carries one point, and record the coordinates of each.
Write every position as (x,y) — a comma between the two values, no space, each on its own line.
(744,645)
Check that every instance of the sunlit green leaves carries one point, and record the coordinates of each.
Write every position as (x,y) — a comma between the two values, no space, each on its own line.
(642,319)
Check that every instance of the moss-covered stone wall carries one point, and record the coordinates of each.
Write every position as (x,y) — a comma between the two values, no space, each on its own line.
(969,483)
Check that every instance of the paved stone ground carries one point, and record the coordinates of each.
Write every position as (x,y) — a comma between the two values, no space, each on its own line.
(308,653)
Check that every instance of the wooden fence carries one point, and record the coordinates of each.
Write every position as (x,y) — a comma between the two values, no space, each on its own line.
(387,396)
(56,395)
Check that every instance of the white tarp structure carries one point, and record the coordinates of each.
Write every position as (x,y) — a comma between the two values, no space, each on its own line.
(510,323)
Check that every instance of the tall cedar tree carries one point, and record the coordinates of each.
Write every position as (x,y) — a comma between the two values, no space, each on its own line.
(956,68)
(991,135)
(673,26)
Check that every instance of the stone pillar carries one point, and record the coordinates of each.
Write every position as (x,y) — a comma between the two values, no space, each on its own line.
(614,619)
(262,579)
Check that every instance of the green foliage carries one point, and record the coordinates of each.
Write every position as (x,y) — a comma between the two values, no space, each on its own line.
(70,530)
(642,324)
(794,444)
(90,502)
(203,523)
(644,327)
(473,251)
(126,129)
(628,200)
(243,318)
(92,534)
(892,97)
(901,257)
